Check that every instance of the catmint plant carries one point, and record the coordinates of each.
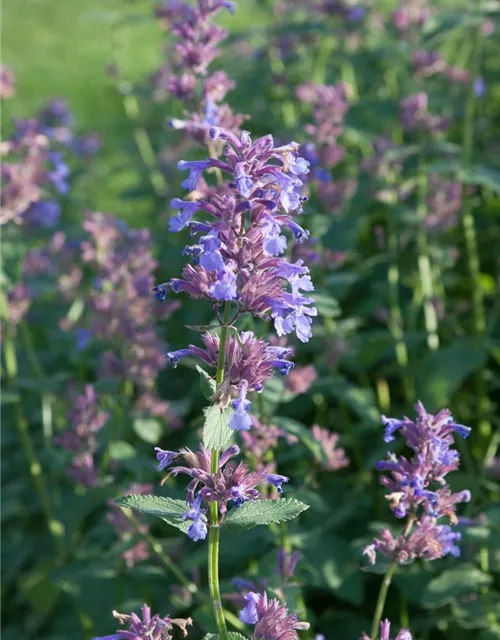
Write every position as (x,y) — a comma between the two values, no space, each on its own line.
(419,494)
(237,264)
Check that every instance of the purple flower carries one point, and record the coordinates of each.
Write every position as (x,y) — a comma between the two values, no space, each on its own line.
(249,614)
(164,458)
(85,420)
(479,87)
(241,420)
(224,288)
(271,619)
(287,563)
(336,457)
(59,176)
(277,481)
(417,487)
(149,628)
(45,213)
(195,168)
(230,483)
(198,529)
(82,338)
(187,211)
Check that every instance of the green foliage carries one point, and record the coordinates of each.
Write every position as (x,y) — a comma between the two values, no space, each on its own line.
(216,431)
(264,512)
(168,509)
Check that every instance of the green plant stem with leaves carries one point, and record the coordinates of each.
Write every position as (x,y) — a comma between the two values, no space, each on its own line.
(214,530)
(469,232)
(386,583)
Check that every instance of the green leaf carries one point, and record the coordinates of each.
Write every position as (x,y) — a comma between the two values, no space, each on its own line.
(252,514)
(168,509)
(441,373)
(485,176)
(454,583)
(207,384)
(216,431)
(303,434)
(148,429)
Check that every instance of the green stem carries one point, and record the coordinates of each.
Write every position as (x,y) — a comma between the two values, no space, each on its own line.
(424,263)
(47,399)
(469,231)
(384,587)
(214,529)
(56,528)
(379,609)
(395,314)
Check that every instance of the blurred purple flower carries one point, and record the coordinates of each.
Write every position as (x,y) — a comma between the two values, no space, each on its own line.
(7,82)
(85,420)
(126,530)
(336,457)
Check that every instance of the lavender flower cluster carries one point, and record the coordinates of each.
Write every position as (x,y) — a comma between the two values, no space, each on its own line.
(230,483)
(237,258)
(329,107)
(120,310)
(418,489)
(85,420)
(34,171)
(196,47)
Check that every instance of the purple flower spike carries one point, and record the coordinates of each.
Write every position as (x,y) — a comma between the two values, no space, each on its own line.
(417,487)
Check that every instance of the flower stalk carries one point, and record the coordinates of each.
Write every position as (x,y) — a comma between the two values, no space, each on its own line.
(386,583)
(469,231)
(214,529)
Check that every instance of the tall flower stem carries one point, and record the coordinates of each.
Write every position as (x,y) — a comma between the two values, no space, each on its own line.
(469,231)
(395,313)
(214,530)
(56,528)
(384,587)
(424,262)
(47,399)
